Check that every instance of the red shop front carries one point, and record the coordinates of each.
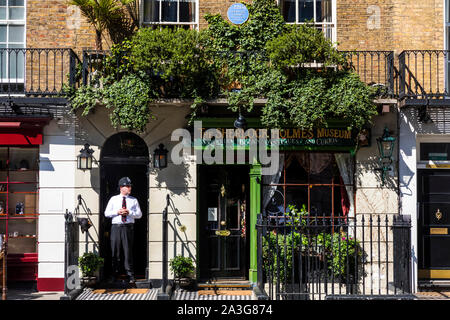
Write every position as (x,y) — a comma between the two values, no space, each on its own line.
(20,138)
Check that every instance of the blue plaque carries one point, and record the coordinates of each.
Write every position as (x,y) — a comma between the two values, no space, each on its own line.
(237,13)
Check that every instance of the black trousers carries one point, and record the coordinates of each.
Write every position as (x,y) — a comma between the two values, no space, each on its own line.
(122,239)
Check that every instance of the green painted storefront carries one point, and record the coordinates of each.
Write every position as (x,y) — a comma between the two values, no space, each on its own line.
(336,128)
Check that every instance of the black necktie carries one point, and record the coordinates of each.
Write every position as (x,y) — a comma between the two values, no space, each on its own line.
(124,206)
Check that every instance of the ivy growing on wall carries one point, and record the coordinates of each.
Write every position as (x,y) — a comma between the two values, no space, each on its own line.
(303,77)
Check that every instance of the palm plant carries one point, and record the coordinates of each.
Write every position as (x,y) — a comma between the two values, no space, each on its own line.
(117,17)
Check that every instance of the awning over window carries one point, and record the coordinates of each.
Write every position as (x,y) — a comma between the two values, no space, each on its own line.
(22,131)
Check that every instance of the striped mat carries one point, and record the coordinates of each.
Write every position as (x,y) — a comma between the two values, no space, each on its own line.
(118,294)
(194,295)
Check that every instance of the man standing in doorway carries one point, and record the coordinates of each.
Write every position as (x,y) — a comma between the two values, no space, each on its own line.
(123,209)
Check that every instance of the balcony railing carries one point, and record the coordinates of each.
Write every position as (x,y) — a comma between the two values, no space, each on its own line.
(37,72)
(423,74)
(416,74)
(375,68)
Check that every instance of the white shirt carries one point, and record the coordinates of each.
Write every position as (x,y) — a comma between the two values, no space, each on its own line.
(115,204)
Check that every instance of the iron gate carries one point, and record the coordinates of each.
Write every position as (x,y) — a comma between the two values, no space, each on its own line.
(318,258)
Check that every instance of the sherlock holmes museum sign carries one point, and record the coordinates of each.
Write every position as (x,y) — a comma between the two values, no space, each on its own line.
(288,137)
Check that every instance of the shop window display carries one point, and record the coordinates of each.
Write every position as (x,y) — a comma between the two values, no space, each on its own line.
(319,182)
(19,210)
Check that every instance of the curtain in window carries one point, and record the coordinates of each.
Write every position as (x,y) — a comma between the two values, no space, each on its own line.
(344,162)
(268,191)
(187,10)
(313,163)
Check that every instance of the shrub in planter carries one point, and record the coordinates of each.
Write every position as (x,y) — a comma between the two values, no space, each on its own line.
(89,263)
(183,269)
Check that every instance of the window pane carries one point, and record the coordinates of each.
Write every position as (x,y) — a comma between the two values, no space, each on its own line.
(16,64)
(2,33)
(2,2)
(151,11)
(169,11)
(296,167)
(16,33)
(2,13)
(321,201)
(305,10)
(288,10)
(15,3)
(16,13)
(323,11)
(187,11)
(296,196)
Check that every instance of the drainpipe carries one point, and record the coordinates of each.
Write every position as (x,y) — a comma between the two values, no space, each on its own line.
(162,294)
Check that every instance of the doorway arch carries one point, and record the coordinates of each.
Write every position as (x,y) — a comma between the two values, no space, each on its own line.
(125,154)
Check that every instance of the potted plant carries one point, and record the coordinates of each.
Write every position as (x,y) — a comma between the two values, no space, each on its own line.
(89,264)
(183,270)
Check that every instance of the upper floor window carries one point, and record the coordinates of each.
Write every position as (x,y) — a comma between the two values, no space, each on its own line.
(319,12)
(12,35)
(170,12)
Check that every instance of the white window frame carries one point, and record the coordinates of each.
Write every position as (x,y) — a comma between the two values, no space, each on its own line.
(331,24)
(9,22)
(193,24)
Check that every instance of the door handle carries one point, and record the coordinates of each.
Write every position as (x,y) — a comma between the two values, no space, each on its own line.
(438,215)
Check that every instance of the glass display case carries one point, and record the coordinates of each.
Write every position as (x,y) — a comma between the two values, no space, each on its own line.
(19,173)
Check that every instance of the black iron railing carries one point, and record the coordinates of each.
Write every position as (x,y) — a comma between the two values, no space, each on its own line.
(375,68)
(423,74)
(37,72)
(93,63)
(367,256)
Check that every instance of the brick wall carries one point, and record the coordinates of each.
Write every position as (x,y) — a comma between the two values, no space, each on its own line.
(390,24)
(361,24)
(54,24)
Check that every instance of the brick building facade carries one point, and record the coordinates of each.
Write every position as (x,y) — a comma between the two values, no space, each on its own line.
(383,30)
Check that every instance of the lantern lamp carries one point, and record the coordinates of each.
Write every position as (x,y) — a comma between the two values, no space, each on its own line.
(160,157)
(386,148)
(84,159)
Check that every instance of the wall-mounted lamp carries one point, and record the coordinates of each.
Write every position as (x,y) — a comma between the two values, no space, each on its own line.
(160,157)
(84,159)
(84,223)
(386,148)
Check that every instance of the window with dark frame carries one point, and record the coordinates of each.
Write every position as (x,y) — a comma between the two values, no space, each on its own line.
(180,13)
(313,180)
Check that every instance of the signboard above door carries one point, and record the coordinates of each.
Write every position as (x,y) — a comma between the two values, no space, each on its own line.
(288,137)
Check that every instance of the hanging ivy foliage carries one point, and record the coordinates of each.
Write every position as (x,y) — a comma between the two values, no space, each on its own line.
(305,80)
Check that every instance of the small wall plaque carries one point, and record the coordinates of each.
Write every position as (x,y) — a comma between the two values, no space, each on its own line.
(223,233)
(237,13)
(438,231)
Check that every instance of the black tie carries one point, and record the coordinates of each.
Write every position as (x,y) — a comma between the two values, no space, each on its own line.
(124,206)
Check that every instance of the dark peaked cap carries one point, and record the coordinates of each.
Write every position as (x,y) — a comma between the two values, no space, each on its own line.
(125,181)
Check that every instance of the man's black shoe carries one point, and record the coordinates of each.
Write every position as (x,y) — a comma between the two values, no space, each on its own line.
(132,282)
